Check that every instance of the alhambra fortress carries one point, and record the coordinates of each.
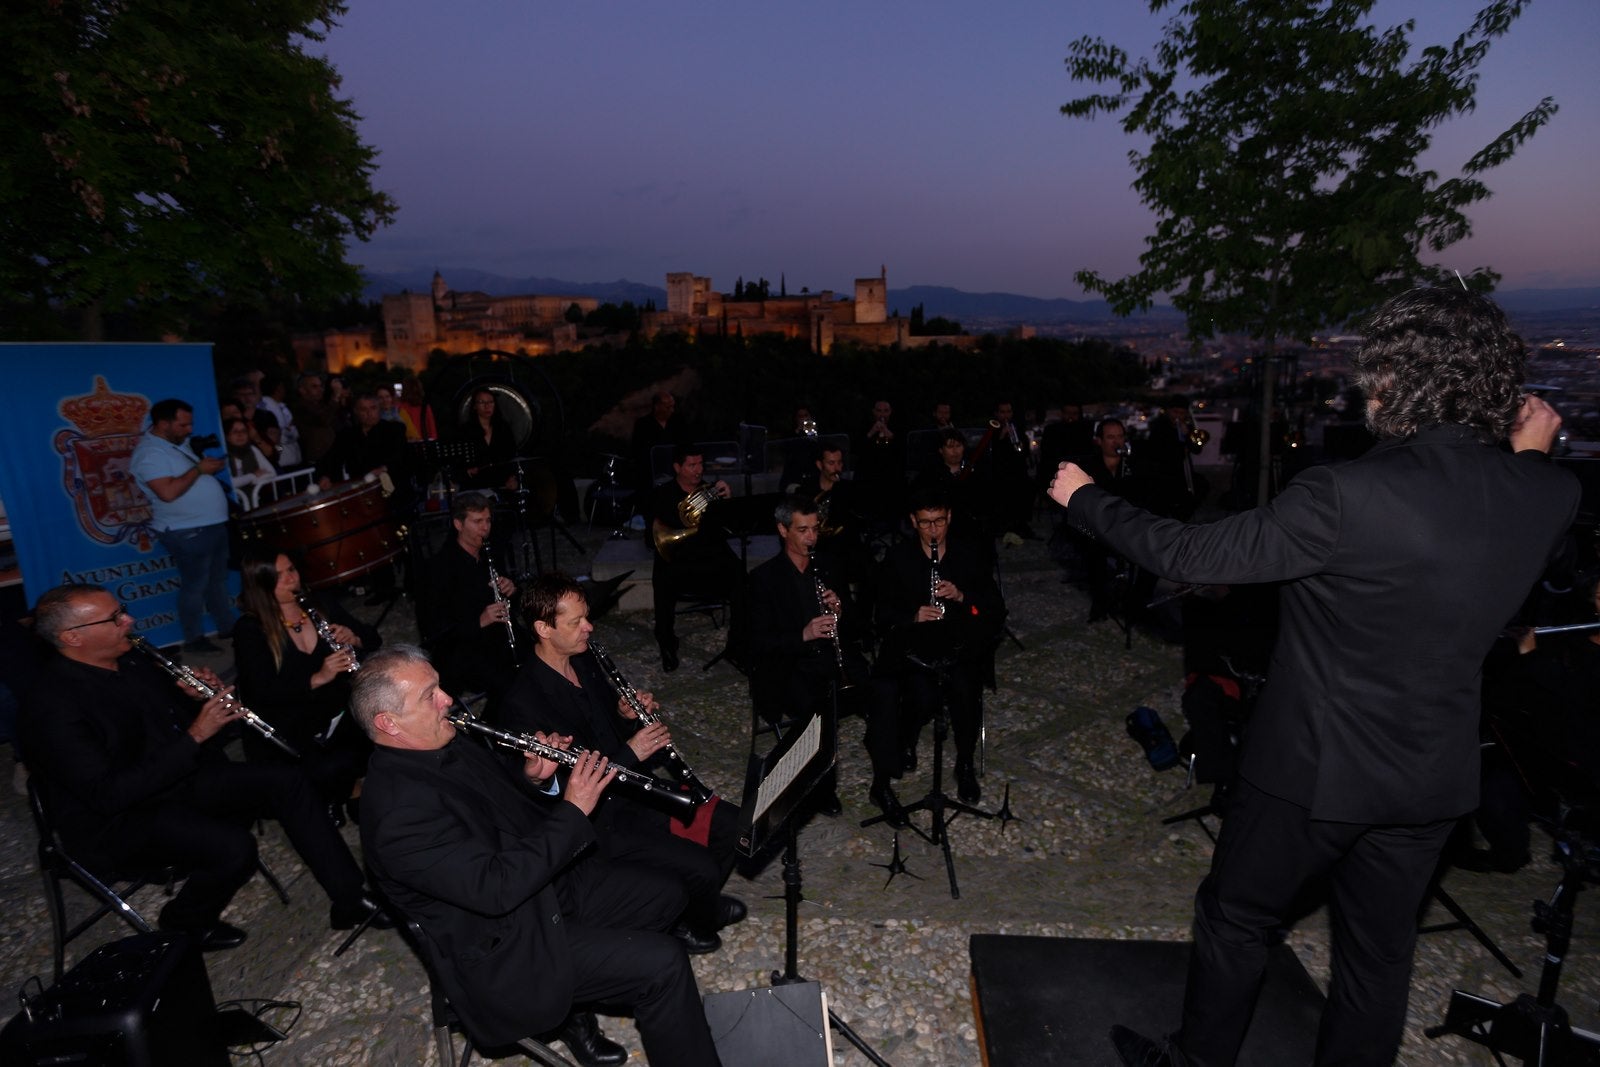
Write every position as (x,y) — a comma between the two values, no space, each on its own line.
(415,324)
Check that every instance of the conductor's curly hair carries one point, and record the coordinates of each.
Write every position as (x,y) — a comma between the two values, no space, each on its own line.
(1435,356)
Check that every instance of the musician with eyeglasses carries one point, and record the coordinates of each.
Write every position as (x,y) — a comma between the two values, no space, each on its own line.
(938,606)
(522,922)
(291,674)
(691,556)
(134,776)
(563,689)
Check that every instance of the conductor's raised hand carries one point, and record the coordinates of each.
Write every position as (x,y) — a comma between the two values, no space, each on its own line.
(1068,480)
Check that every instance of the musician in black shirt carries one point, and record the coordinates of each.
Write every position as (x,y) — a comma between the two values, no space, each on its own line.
(697,562)
(563,689)
(473,632)
(950,620)
(132,775)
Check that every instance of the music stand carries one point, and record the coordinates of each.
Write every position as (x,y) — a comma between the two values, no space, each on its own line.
(774,787)
(936,802)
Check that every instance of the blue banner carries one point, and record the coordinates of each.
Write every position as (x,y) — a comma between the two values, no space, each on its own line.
(74,414)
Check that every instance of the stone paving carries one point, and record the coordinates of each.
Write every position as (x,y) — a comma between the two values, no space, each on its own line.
(1087,857)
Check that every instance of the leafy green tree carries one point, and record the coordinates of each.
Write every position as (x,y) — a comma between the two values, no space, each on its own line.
(1283,165)
(171,153)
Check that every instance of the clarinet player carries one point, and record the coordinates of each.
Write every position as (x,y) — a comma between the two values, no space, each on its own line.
(128,764)
(475,631)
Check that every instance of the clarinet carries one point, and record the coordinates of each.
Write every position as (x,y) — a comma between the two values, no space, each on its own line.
(933,578)
(838,644)
(697,789)
(192,680)
(499,598)
(325,631)
(569,758)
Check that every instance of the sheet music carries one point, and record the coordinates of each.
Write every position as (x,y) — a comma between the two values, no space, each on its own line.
(789,767)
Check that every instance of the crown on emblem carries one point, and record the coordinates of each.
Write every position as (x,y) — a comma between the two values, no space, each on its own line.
(103,413)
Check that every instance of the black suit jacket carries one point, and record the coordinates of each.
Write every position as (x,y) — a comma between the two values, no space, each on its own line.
(456,844)
(1402,567)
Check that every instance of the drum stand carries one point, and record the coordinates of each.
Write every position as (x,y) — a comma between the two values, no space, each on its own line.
(1534,1029)
(937,801)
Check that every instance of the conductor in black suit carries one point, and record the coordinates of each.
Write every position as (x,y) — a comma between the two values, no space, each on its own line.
(1400,567)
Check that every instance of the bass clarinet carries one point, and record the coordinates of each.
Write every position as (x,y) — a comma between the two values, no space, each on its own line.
(696,788)
(320,623)
(500,598)
(568,757)
(192,680)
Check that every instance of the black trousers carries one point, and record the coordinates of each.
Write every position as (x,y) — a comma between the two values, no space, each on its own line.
(615,917)
(632,832)
(701,564)
(1268,851)
(205,833)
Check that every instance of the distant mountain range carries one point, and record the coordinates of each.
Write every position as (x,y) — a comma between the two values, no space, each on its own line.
(935,299)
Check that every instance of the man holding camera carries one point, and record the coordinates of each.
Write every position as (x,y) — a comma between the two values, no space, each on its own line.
(189,510)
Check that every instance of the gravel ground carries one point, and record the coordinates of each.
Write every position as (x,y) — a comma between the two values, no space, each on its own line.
(1087,856)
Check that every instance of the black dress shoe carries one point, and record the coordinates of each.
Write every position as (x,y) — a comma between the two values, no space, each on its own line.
(214,938)
(730,910)
(967,787)
(694,942)
(349,916)
(588,1045)
(1136,1050)
(882,794)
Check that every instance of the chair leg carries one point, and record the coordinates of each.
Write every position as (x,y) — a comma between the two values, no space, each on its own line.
(441,1040)
(543,1053)
(58,919)
(272,880)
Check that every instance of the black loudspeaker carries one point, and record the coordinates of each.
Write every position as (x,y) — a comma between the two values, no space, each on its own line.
(144,1001)
(771,1026)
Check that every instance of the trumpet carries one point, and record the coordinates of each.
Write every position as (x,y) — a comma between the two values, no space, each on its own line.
(697,789)
(568,757)
(838,646)
(325,631)
(192,680)
(500,598)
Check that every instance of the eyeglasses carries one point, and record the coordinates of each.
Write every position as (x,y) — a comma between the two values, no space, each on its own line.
(115,616)
(929,524)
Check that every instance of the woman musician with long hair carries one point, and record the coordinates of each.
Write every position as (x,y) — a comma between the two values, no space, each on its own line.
(293,676)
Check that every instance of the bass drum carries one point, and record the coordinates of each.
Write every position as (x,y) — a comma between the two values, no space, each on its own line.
(342,534)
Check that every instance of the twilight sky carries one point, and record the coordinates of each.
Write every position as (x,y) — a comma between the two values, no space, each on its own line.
(605,140)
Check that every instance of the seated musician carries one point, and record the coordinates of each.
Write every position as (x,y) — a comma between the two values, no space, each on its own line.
(369,445)
(520,923)
(700,562)
(1112,470)
(291,677)
(841,533)
(133,775)
(795,669)
(468,622)
(948,472)
(563,689)
(951,623)
(494,445)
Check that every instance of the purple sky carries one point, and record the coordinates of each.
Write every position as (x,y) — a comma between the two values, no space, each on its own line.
(596,141)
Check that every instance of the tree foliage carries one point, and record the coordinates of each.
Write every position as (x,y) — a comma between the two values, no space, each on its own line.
(1283,163)
(169,153)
